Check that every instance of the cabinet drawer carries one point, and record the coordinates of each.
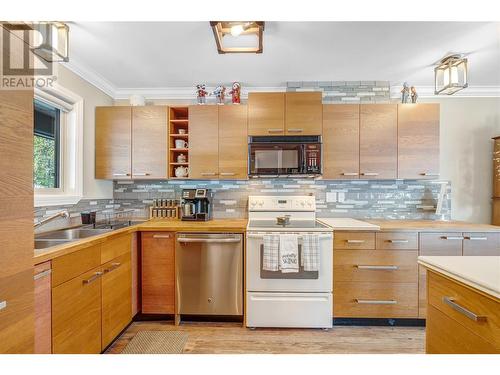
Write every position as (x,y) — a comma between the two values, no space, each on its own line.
(457,302)
(375,300)
(43,313)
(72,265)
(115,247)
(481,244)
(446,336)
(397,240)
(441,243)
(354,240)
(375,265)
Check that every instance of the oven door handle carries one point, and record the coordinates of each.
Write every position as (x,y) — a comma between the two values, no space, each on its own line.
(260,237)
(209,240)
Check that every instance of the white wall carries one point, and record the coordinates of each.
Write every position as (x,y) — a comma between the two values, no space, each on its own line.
(467,126)
(92,97)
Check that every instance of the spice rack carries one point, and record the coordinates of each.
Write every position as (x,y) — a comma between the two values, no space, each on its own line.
(165,209)
(178,129)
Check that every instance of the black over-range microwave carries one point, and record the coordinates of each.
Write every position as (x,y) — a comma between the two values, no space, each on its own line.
(284,156)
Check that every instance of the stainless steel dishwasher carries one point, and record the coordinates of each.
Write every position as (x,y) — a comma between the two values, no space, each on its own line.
(209,273)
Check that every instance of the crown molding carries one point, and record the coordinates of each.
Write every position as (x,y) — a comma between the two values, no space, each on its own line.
(93,78)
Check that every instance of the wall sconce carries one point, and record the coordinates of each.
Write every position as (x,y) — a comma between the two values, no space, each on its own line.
(450,75)
(238,36)
(51,41)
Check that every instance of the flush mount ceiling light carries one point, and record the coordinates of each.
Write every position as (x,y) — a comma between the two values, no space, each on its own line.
(238,36)
(51,41)
(450,75)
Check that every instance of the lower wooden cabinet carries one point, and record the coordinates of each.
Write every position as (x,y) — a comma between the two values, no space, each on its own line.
(158,272)
(116,295)
(43,308)
(76,315)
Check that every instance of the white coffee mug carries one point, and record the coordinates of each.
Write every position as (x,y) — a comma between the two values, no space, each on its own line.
(180,143)
(182,131)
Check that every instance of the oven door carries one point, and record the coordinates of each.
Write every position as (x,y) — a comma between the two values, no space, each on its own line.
(275,159)
(259,280)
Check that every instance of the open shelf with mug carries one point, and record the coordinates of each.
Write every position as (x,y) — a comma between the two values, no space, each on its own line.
(178,144)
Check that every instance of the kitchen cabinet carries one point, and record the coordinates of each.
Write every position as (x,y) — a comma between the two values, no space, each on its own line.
(149,142)
(496,211)
(378,151)
(481,244)
(303,113)
(266,113)
(116,287)
(496,167)
(158,273)
(418,141)
(341,141)
(203,141)
(113,143)
(43,308)
(233,142)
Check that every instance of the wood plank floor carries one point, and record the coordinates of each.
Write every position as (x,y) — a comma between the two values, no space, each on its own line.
(232,338)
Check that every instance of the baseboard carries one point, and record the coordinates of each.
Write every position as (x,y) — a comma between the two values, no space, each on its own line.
(399,322)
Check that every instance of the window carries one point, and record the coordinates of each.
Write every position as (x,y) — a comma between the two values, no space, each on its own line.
(47,147)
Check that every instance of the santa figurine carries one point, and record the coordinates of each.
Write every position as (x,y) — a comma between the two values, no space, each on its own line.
(201,94)
(220,94)
(235,93)
(414,94)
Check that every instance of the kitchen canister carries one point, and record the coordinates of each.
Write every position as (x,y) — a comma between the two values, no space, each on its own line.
(137,100)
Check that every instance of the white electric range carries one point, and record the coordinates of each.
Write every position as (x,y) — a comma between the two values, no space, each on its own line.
(275,299)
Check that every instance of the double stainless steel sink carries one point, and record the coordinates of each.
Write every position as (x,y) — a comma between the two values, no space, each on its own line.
(45,240)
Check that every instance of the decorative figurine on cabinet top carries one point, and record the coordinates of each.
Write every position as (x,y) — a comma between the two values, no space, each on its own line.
(201,94)
(405,93)
(235,93)
(414,94)
(220,94)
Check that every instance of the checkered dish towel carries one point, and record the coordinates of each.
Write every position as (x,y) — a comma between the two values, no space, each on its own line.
(270,260)
(310,252)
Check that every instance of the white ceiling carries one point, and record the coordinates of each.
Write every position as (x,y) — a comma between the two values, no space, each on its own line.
(155,55)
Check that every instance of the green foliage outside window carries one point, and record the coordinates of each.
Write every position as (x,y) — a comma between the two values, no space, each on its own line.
(44,165)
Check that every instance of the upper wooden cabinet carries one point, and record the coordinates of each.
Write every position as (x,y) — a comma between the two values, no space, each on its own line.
(203,141)
(131,142)
(303,113)
(378,151)
(113,143)
(233,143)
(341,141)
(266,113)
(496,168)
(149,142)
(418,141)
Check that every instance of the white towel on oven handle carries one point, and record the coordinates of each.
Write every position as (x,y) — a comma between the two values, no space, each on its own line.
(310,252)
(289,253)
(270,257)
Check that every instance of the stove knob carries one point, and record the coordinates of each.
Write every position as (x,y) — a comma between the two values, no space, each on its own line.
(261,203)
(253,203)
(309,203)
(302,203)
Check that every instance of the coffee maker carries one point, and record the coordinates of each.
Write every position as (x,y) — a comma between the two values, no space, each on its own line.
(196,205)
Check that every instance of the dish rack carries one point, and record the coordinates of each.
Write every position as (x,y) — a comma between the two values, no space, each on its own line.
(112,216)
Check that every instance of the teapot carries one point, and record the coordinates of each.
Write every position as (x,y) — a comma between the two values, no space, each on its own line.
(181,172)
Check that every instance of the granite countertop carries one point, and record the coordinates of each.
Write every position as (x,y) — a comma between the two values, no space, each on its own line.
(479,272)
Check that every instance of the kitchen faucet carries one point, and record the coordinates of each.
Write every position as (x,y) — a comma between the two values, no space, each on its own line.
(48,219)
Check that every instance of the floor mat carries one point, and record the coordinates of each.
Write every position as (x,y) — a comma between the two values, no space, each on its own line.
(156,342)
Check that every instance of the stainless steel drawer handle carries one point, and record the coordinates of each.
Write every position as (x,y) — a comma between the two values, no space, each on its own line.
(208,173)
(382,268)
(429,174)
(295,130)
(42,274)
(121,174)
(375,302)
(454,238)
(274,130)
(462,310)
(142,173)
(355,241)
(398,241)
(162,236)
(221,240)
(3,305)
(350,173)
(114,266)
(369,174)
(228,174)
(476,238)
(92,278)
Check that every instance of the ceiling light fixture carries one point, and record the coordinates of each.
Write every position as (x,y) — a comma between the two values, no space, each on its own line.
(238,36)
(450,75)
(52,41)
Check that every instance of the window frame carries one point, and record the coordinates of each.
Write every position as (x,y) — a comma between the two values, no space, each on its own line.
(71,147)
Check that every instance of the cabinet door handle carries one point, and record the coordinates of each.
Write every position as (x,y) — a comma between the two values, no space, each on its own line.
(208,173)
(92,278)
(275,130)
(398,241)
(42,274)
(227,174)
(454,238)
(382,268)
(162,236)
(375,302)
(369,174)
(429,174)
(114,266)
(295,130)
(3,305)
(121,174)
(142,174)
(462,310)
(476,238)
(355,241)
(350,173)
